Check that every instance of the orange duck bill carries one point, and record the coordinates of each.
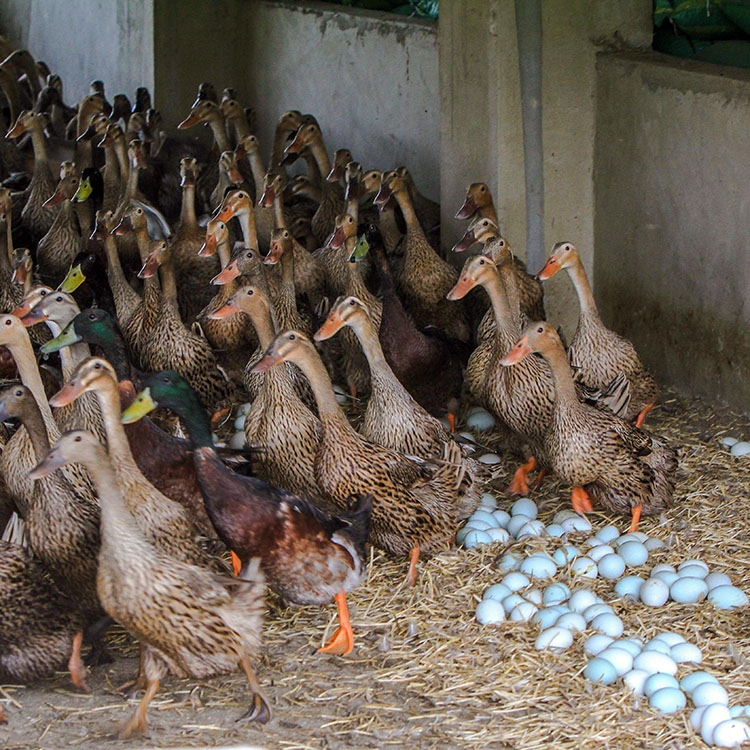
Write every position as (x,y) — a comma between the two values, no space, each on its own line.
(231,272)
(465,242)
(520,351)
(30,318)
(224,312)
(67,394)
(274,254)
(463,287)
(467,210)
(333,324)
(271,359)
(208,248)
(551,267)
(149,267)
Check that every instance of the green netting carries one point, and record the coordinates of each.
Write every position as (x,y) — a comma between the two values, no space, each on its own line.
(412,8)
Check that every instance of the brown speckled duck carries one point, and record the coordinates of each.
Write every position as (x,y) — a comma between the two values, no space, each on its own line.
(478,203)
(605,458)
(597,353)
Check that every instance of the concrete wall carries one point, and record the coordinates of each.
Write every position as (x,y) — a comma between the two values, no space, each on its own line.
(86,39)
(672,171)
(370,79)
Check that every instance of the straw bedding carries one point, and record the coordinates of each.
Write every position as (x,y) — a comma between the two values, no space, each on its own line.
(423,673)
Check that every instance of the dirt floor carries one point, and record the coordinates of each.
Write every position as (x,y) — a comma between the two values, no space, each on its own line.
(423,673)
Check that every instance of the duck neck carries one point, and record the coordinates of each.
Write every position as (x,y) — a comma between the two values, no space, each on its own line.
(583,289)
(168,281)
(407,209)
(34,423)
(278,212)
(256,167)
(368,338)
(352,208)
(82,212)
(565,391)
(193,417)
(218,128)
(115,275)
(188,219)
(39,144)
(320,382)
(507,330)
(488,212)
(116,353)
(108,396)
(122,160)
(131,186)
(224,254)
(249,233)
(28,370)
(321,156)
(277,149)
(510,284)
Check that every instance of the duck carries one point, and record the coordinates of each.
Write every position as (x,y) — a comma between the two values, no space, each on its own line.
(341,157)
(478,204)
(427,210)
(598,353)
(278,419)
(37,621)
(190,621)
(288,124)
(393,418)
(426,362)
(414,508)
(530,288)
(61,522)
(605,458)
(388,214)
(110,173)
(248,148)
(425,278)
(308,556)
(235,116)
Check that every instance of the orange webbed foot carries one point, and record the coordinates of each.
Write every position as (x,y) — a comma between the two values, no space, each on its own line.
(642,416)
(581,501)
(520,483)
(341,642)
(636,511)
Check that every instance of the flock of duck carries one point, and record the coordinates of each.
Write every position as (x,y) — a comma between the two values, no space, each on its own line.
(133,302)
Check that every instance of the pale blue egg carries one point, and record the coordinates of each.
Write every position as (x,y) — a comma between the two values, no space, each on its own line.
(490,612)
(489,458)
(582,599)
(599,551)
(595,610)
(566,554)
(480,420)
(498,592)
(538,566)
(611,566)
(515,581)
(498,535)
(688,563)
(583,567)
(475,538)
(662,566)
(727,597)
(707,693)
(654,592)
(630,645)
(502,517)
(652,544)
(572,621)
(654,661)
(635,679)
(554,529)
(483,515)
(531,529)
(633,553)
(692,571)
(511,601)
(488,501)
(508,561)
(596,643)
(238,441)
(609,624)
(524,507)
(516,523)
(619,658)
(669,637)
(657,645)
(239,423)
(629,586)
(478,523)
(686,652)
(740,449)
(608,534)
(555,593)
(546,617)
(523,611)
(688,590)
(668,700)
(739,711)
(691,681)
(577,523)
(600,670)
(555,639)
(717,579)
(731,733)
(657,682)
(667,576)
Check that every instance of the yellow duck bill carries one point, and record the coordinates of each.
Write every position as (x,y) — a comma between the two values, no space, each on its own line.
(141,406)
(73,280)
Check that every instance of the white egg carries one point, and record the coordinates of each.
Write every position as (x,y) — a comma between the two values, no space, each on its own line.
(237,442)
(239,423)
(686,652)
(668,700)
(596,643)
(712,717)
(635,679)
(669,637)
(667,576)
(583,567)
(717,579)
(619,658)
(554,529)
(688,563)
(578,523)
(630,645)
(599,551)
(511,601)
(524,507)
(731,733)
(629,586)
(595,610)
(509,561)
(688,590)
(692,571)
(654,592)
(572,621)
(729,441)
(609,624)
(498,592)
(523,611)
(652,544)
(634,553)
(475,538)
(546,617)
(502,518)
(600,670)
(611,567)
(530,529)
(555,593)
(565,554)
(555,639)
(653,662)
(662,566)
(480,420)
(657,682)
(707,693)
(740,449)
(490,612)
(608,534)
(515,581)
(516,523)
(691,681)
(727,597)
(489,459)
(538,566)
(564,514)
(582,599)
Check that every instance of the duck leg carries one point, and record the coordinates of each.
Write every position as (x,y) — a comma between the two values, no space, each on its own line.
(260,711)
(3,720)
(342,641)
(642,416)
(636,511)
(411,575)
(580,500)
(75,665)
(451,417)
(540,478)
(236,564)
(138,724)
(520,483)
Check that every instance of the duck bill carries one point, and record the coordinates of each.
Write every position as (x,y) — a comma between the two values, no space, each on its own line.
(337,239)
(354,191)
(187,180)
(336,173)
(334,323)
(360,250)
(106,140)
(67,338)
(17,130)
(73,280)
(20,275)
(149,267)
(32,317)
(67,394)
(225,214)
(463,287)
(296,144)
(124,226)
(87,134)
(465,242)
(288,159)
(551,267)
(520,351)
(234,175)
(139,160)
(271,359)
(468,209)
(22,310)
(240,151)
(46,466)
(231,272)
(142,404)
(208,248)
(192,119)
(267,199)
(83,193)
(274,254)
(224,312)
(56,198)
(382,195)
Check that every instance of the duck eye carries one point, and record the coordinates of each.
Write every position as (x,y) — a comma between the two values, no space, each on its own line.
(351,302)
(165,379)
(43,293)
(92,316)
(482,189)
(19,393)
(292,337)
(58,299)
(481,262)
(540,330)
(77,438)
(97,366)
(250,292)
(8,322)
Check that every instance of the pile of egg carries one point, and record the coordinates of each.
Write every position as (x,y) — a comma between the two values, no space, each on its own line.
(237,441)
(736,447)
(689,583)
